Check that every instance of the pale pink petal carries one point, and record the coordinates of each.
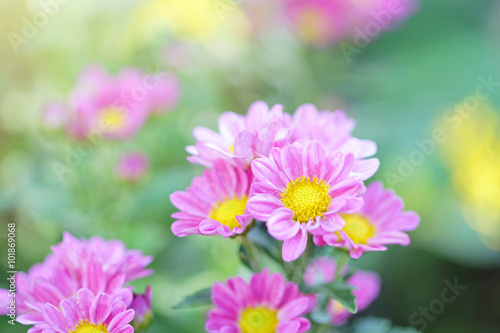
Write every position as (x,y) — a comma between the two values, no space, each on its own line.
(121,319)
(101,308)
(293,309)
(262,206)
(294,247)
(281,226)
(313,157)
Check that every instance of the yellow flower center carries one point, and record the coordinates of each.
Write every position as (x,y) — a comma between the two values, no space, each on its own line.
(85,327)
(310,27)
(112,118)
(337,307)
(358,228)
(258,320)
(306,198)
(231,148)
(226,212)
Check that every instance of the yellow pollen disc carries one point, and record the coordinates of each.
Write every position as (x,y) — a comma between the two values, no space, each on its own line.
(258,320)
(85,327)
(358,228)
(226,212)
(337,307)
(231,148)
(306,198)
(309,24)
(113,117)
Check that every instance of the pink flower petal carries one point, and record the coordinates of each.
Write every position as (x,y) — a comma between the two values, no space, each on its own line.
(101,308)
(281,226)
(294,247)
(121,319)
(313,157)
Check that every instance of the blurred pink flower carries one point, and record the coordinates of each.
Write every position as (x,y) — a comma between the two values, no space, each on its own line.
(5,298)
(166,94)
(96,264)
(319,22)
(85,313)
(241,138)
(117,107)
(215,203)
(381,13)
(323,270)
(322,23)
(50,282)
(300,190)
(132,166)
(366,290)
(380,221)
(54,115)
(320,270)
(267,304)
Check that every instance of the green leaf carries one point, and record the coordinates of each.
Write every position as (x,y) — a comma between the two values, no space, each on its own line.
(244,257)
(371,324)
(397,329)
(378,325)
(337,290)
(199,298)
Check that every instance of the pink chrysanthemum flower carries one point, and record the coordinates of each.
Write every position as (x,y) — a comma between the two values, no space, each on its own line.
(50,282)
(117,107)
(333,130)
(132,166)
(380,221)
(95,264)
(267,304)
(301,189)
(241,138)
(367,286)
(215,203)
(86,313)
(111,255)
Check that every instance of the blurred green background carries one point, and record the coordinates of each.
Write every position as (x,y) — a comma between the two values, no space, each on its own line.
(398,88)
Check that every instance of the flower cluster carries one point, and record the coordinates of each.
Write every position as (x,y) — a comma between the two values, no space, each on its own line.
(304,175)
(80,287)
(113,107)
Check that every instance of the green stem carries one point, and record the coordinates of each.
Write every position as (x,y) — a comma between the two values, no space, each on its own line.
(324,328)
(301,264)
(251,251)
